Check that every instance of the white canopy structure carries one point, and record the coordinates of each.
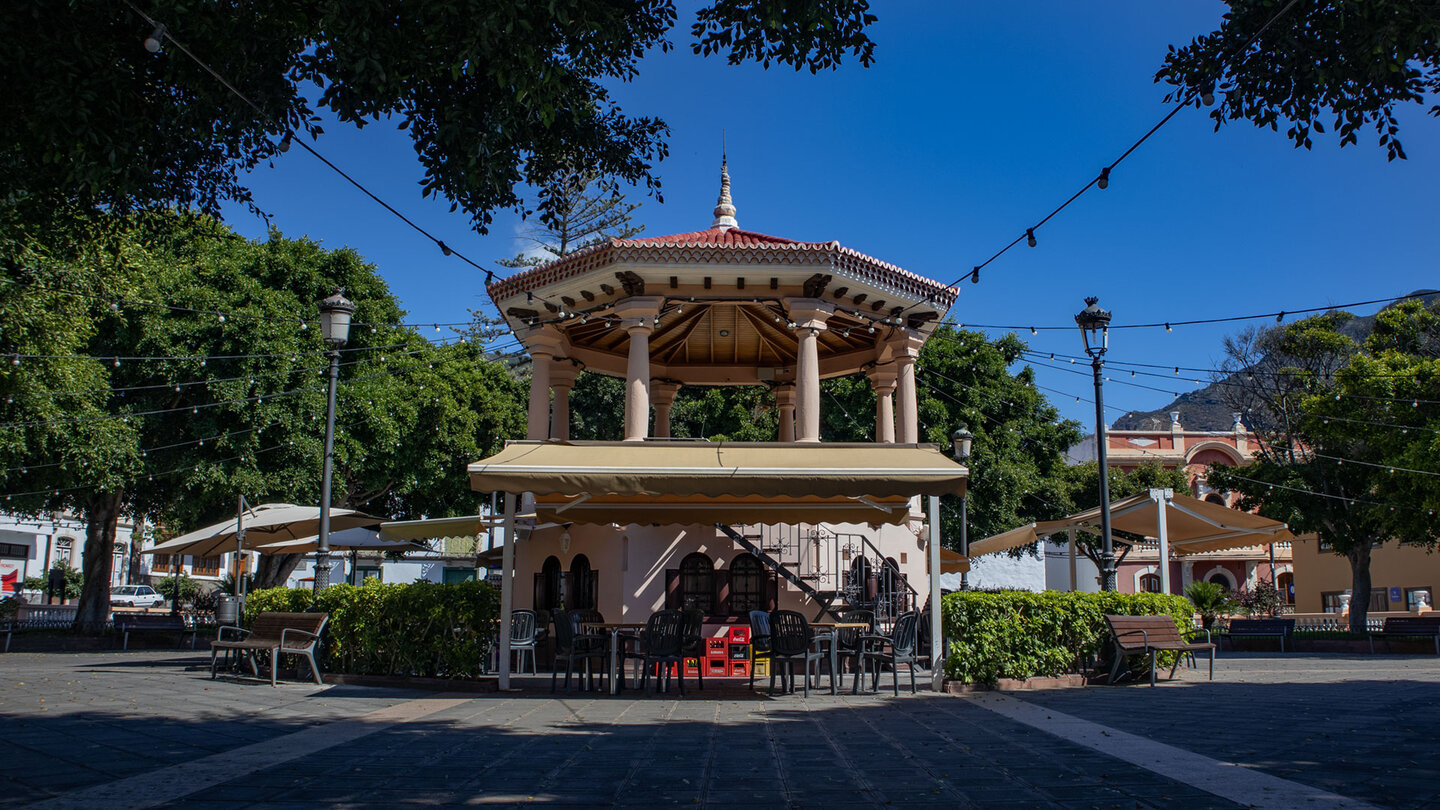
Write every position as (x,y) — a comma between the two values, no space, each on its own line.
(1180,523)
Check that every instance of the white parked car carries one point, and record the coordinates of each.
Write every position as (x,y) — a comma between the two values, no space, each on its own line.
(135,596)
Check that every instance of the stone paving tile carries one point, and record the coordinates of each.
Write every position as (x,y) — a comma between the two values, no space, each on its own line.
(79,720)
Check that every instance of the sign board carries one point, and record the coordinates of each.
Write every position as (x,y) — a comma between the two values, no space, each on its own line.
(12,576)
(1395,594)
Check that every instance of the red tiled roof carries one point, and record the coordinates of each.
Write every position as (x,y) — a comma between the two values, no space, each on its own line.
(714,236)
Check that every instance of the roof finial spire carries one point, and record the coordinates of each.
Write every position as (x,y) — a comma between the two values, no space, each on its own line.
(724,208)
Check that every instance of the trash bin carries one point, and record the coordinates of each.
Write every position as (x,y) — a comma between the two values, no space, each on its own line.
(227,611)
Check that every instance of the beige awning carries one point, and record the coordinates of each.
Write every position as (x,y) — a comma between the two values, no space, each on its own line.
(1192,525)
(433,528)
(722,482)
(953,562)
(264,524)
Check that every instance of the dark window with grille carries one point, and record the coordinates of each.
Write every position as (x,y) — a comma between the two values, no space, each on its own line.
(548,590)
(582,584)
(747,584)
(14,551)
(697,583)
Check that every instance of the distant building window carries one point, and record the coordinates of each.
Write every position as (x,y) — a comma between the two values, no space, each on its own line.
(1221,580)
(1285,583)
(207,566)
(1415,596)
(1330,601)
(1150,583)
(64,549)
(14,551)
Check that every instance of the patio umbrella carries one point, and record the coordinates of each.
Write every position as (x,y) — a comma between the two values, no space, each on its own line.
(263,524)
(358,539)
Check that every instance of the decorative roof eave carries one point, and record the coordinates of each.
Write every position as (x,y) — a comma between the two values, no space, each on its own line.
(848,260)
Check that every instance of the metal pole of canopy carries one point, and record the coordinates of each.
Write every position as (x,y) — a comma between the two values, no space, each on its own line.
(507,589)
(1162,497)
(937,662)
(1074,580)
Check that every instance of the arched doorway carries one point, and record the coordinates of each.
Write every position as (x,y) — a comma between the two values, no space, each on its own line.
(697,583)
(1285,583)
(747,585)
(549,595)
(583,590)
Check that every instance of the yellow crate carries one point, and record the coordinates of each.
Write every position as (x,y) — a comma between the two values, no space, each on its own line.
(761,667)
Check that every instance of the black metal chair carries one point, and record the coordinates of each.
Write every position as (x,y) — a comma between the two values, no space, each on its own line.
(664,642)
(692,644)
(848,643)
(522,639)
(896,649)
(791,642)
(759,643)
(571,645)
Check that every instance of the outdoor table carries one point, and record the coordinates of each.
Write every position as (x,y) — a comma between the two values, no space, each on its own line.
(615,628)
(830,637)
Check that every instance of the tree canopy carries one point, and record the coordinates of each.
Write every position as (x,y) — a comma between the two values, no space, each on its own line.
(179,365)
(494,94)
(1348,433)
(1347,65)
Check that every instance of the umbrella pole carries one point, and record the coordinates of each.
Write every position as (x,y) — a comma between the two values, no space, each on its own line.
(937,663)
(1161,498)
(239,549)
(507,590)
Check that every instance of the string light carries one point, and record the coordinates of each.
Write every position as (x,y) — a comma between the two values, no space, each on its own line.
(1030,237)
(1104,180)
(156,38)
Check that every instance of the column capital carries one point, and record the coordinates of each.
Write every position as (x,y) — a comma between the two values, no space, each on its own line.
(562,375)
(546,339)
(809,313)
(662,392)
(785,394)
(906,345)
(883,377)
(638,308)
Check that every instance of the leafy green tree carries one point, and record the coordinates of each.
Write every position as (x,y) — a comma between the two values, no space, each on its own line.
(144,409)
(1017,464)
(494,94)
(1347,434)
(1347,63)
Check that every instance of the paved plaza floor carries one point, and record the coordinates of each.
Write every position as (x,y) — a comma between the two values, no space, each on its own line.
(150,729)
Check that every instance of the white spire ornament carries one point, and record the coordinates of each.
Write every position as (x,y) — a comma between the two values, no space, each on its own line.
(724,208)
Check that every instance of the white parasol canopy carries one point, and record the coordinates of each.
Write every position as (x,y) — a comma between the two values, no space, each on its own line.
(263,524)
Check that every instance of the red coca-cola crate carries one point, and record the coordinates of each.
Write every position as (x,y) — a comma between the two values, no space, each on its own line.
(740,669)
(738,634)
(739,652)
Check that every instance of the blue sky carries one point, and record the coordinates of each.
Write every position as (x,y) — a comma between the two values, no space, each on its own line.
(975,121)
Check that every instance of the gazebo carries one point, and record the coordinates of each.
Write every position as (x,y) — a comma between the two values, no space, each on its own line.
(650,521)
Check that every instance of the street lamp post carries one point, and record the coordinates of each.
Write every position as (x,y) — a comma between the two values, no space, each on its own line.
(960,442)
(335,313)
(1094,324)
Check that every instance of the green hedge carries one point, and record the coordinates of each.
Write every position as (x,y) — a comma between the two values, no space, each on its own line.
(420,629)
(1020,634)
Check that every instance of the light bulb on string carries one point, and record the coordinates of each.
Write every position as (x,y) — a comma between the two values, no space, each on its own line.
(156,38)
(1104,180)
(1030,237)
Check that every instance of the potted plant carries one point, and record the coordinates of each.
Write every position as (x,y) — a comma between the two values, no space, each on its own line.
(1209,599)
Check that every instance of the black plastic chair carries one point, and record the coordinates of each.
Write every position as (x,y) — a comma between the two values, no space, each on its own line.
(571,645)
(896,649)
(692,644)
(664,644)
(849,644)
(759,643)
(791,642)
(522,639)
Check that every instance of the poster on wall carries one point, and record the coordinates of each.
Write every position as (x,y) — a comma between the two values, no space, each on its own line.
(12,576)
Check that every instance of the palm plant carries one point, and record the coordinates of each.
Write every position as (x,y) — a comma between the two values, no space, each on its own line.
(1210,600)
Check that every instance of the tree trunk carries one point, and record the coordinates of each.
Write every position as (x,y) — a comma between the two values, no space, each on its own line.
(272,570)
(1359,557)
(102,514)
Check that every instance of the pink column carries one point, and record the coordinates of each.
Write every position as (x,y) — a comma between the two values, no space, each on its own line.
(882,379)
(785,402)
(562,379)
(809,315)
(662,396)
(637,315)
(542,344)
(907,424)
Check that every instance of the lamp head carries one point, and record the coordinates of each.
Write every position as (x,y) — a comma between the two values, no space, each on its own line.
(335,313)
(960,442)
(1094,324)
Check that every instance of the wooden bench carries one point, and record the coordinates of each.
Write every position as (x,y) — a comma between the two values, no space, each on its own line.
(1408,627)
(1282,629)
(127,623)
(1138,635)
(275,633)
